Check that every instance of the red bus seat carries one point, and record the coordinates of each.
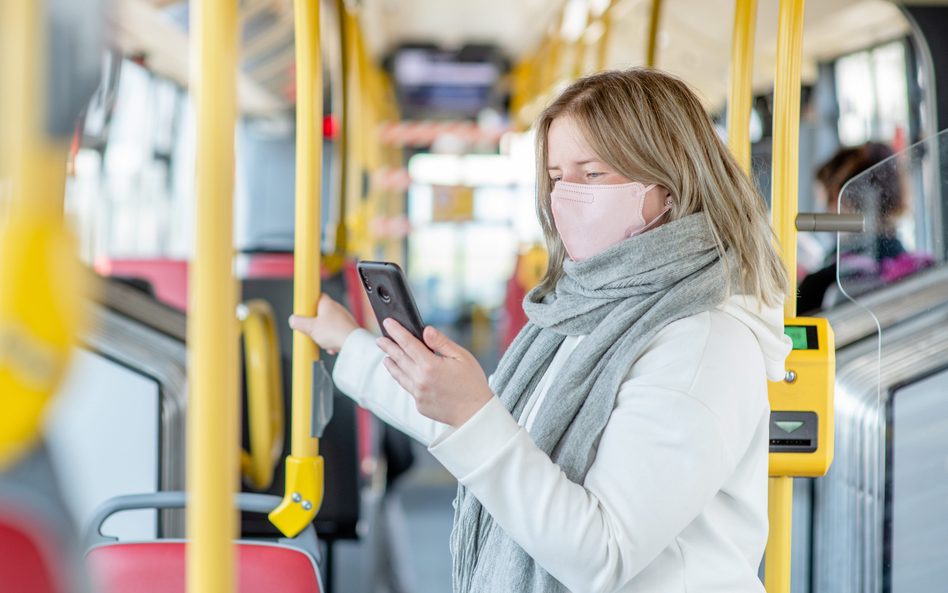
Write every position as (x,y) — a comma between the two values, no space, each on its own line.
(158,567)
(288,565)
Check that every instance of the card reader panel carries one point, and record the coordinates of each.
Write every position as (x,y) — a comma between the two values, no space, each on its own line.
(801,418)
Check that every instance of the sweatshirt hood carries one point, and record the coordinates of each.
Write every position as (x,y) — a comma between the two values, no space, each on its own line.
(767,325)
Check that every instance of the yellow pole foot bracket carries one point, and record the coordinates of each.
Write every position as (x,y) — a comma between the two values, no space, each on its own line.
(304,495)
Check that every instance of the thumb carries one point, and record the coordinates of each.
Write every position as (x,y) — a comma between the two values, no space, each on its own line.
(440,343)
(324,301)
(302,323)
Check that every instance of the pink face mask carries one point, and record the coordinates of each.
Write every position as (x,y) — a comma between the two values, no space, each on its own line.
(593,218)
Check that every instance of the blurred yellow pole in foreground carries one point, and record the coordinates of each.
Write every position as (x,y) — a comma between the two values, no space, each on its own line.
(213,433)
(40,292)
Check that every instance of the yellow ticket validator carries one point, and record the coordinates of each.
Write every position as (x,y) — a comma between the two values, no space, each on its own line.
(801,406)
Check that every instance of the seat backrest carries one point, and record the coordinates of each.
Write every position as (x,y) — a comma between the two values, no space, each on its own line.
(159,567)
(27,562)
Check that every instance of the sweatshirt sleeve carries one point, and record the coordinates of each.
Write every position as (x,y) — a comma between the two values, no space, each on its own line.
(662,457)
(359,373)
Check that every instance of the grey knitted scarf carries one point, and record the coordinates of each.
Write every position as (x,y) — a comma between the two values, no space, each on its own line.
(619,299)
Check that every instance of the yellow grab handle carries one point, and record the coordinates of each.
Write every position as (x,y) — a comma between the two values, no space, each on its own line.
(304,467)
(264,392)
(304,495)
(39,318)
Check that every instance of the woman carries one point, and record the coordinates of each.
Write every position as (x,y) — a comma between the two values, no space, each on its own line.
(621,444)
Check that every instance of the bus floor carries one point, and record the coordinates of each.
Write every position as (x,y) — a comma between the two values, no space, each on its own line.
(414,528)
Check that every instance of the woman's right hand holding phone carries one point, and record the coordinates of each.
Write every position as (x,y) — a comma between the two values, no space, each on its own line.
(331,326)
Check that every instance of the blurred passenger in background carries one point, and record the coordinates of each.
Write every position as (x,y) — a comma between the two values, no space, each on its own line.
(876,257)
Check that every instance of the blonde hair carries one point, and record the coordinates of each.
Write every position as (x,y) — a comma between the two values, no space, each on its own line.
(650,127)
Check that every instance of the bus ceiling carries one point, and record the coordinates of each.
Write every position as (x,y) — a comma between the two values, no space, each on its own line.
(693,39)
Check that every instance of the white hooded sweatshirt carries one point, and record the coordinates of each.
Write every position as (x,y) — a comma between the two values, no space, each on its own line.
(675,498)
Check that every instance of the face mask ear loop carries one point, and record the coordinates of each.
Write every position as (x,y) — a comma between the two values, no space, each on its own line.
(668,205)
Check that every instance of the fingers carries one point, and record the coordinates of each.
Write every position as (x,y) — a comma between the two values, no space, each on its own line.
(409,343)
(440,343)
(395,352)
(399,375)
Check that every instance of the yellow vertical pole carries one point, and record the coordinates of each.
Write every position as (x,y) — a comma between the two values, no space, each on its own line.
(740,92)
(335,260)
(654,21)
(579,48)
(213,409)
(787,136)
(551,56)
(367,150)
(784,200)
(304,466)
(306,264)
(602,46)
(355,220)
(780,515)
(34,163)
(39,269)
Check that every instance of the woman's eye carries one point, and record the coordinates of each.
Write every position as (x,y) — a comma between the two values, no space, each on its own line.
(593,175)
(555,179)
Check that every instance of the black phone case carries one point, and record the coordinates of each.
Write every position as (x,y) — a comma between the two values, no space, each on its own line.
(388,292)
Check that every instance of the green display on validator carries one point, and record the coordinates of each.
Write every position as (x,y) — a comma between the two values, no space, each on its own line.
(800,337)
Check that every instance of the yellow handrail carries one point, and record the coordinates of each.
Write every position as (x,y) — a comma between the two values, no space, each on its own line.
(550,56)
(654,20)
(787,136)
(602,45)
(335,260)
(39,270)
(264,380)
(304,466)
(784,199)
(212,409)
(740,92)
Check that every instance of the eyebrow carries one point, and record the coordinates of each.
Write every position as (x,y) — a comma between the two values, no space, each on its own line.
(586,162)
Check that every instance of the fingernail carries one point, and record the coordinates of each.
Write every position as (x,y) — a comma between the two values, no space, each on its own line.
(387,321)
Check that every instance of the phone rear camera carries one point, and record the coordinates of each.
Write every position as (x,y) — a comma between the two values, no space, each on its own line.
(365,280)
(384,295)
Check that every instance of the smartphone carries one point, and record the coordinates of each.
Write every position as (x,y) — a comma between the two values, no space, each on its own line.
(388,292)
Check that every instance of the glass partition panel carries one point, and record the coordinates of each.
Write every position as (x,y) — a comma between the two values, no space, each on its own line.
(892,274)
(900,200)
